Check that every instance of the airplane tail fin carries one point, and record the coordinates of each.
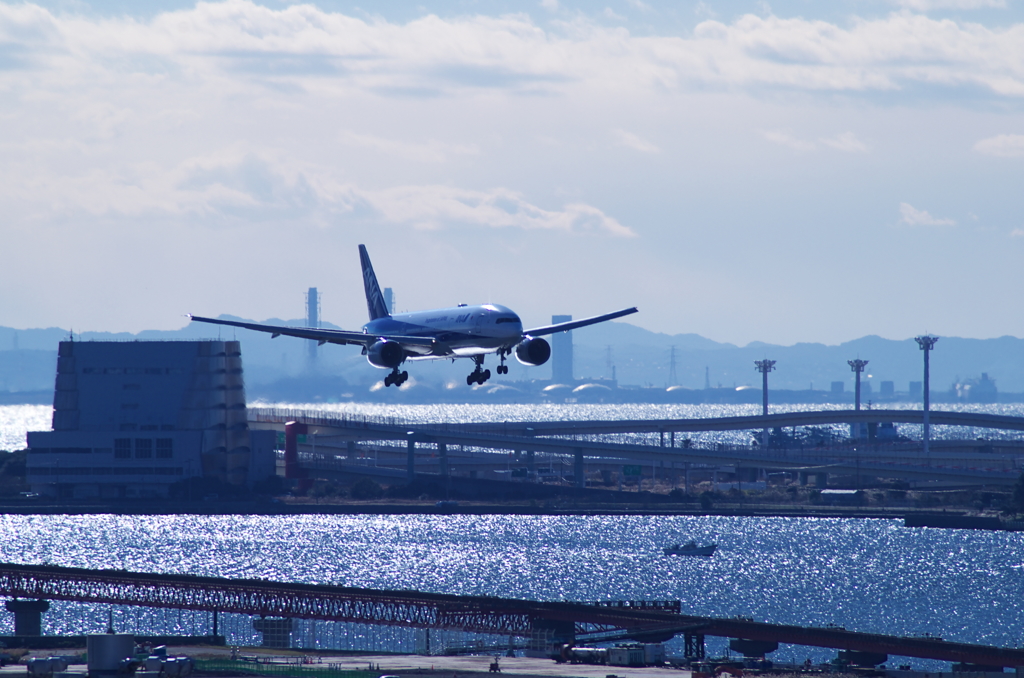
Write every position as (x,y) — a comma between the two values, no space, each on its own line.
(374,298)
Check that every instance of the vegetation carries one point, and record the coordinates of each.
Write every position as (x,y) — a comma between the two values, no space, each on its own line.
(12,473)
(1017,498)
(365,488)
(199,488)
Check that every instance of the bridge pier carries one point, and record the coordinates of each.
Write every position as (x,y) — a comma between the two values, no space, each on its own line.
(277,632)
(442,455)
(693,646)
(411,458)
(577,455)
(548,635)
(350,450)
(28,616)
(293,430)
(531,466)
(821,480)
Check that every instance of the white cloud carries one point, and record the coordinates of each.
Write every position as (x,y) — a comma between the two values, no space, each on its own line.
(429,151)
(915,217)
(639,5)
(1017,233)
(435,207)
(630,140)
(703,9)
(245,186)
(847,142)
(929,5)
(237,41)
(1003,145)
(784,139)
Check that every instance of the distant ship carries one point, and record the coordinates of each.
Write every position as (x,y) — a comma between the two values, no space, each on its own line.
(690,548)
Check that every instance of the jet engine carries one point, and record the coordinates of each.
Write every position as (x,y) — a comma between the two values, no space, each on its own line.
(386,354)
(533,351)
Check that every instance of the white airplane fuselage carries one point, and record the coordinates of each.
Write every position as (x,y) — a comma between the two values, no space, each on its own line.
(460,330)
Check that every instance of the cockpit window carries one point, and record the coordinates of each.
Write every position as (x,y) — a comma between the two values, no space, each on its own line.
(507,319)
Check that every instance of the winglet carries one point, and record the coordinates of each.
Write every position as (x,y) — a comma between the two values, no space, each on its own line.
(374,299)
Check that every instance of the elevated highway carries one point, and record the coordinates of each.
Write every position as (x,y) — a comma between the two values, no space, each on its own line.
(485,614)
(754,422)
(579,441)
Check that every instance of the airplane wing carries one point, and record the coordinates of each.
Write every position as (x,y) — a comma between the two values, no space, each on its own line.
(573,324)
(322,336)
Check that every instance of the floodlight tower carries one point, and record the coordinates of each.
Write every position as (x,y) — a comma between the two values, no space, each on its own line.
(857,366)
(926,343)
(764,367)
(312,320)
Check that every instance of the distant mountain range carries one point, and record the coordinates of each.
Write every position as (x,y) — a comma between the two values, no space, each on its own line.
(636,356)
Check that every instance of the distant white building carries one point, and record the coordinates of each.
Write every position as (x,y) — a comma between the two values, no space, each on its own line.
(132,418)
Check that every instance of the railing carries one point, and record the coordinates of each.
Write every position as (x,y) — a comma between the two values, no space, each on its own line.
(270,668)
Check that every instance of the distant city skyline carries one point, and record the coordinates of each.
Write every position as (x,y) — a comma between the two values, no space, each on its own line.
(782,173)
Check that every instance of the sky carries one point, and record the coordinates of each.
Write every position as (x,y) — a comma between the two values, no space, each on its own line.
(748,171)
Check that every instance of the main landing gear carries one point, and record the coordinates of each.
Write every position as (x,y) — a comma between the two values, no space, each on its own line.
(502,368)
(478,376)
(397,378)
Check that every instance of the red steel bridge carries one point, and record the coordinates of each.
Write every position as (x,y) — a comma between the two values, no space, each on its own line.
(483,614)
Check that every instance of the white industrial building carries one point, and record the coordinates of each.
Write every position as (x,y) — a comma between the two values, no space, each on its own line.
(130,419)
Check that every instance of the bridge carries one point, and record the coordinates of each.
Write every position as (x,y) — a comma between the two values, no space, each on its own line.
(968,462)
(484,614)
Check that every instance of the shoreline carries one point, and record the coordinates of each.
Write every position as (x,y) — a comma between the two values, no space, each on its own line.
(920,517)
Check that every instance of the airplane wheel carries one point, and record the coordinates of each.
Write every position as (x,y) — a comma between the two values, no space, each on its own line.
(469,380)
(485,376)
(387,381)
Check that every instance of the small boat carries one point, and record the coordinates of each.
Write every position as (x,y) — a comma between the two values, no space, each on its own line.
(690,548)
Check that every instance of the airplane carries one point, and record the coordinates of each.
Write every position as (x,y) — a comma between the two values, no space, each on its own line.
(448,333)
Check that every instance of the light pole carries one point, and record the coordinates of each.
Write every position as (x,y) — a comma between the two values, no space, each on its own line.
(857,366)
(926,343)
(764,367)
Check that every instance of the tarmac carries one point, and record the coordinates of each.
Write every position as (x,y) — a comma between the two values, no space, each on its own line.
(471,666)
(443,667)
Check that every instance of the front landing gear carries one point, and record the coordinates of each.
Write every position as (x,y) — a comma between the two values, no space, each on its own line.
(502,368)
(478,376)
(397,378)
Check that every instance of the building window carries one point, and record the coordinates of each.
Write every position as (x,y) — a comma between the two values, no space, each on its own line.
(122,448)
(164,448)
(143,448)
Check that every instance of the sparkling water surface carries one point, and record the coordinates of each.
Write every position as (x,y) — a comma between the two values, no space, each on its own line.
(864,575)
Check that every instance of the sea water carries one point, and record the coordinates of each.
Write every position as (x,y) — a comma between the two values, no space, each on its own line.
(864,575)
